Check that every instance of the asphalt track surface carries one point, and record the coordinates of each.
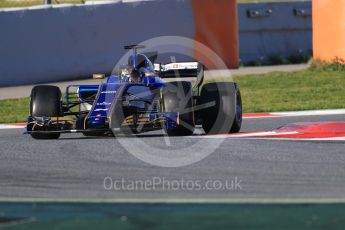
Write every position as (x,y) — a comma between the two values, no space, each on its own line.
(74,167)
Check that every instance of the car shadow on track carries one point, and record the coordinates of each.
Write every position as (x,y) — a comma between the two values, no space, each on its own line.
(113,137)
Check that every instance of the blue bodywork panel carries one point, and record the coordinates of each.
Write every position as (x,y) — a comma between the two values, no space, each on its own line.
(106,95)
(137,94)
(101,107)
(87,89)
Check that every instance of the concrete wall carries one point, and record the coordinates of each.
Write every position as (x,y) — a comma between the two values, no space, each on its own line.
(50,44)
(273,29)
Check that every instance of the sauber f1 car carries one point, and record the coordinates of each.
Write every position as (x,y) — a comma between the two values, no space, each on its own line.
(137,100)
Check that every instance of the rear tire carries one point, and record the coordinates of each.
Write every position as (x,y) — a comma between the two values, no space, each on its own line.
(45,102)
(223,112)
(177,97)
(236,125)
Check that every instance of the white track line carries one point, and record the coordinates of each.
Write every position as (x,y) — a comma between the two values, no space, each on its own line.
(9,126)
(311,113)
(272,138)
(253,134)
(297,114)
(338,139)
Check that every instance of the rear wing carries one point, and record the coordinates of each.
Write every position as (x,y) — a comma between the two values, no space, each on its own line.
(178,69)
(182,70)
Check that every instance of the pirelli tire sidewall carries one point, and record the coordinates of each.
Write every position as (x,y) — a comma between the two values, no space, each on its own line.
(237,124)
(45,101)
(218,103)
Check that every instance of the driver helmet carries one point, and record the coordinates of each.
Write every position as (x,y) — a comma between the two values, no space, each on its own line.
(135,76)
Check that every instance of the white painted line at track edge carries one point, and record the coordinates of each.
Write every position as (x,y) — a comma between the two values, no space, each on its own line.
(10,126)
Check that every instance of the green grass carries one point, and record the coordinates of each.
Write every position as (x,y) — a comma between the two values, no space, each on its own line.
(305,90)
(14,110)
(321,87)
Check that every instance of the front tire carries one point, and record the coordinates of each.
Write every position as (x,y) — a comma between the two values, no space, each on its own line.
(45,102)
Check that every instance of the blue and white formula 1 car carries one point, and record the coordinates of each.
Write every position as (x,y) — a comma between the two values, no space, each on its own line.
(137,100)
